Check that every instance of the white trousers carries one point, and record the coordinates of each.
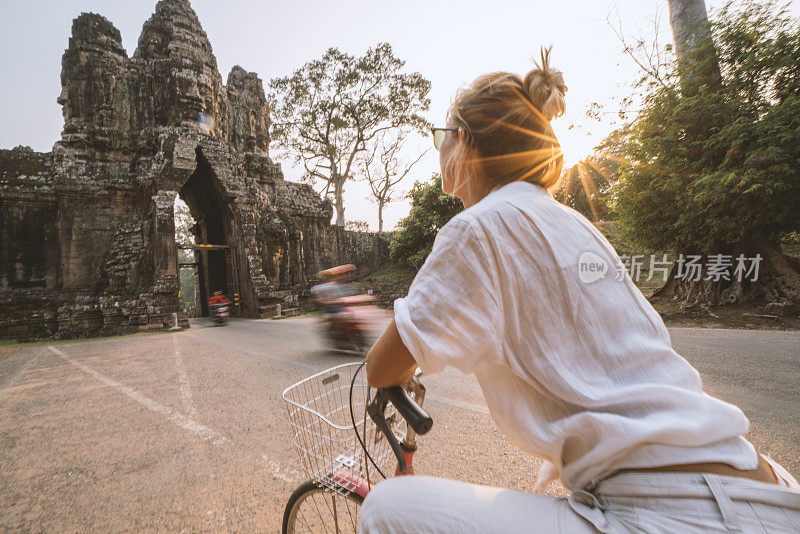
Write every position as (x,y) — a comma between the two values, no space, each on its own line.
(623,503)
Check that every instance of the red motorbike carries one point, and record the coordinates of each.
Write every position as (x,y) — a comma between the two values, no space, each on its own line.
(219,306)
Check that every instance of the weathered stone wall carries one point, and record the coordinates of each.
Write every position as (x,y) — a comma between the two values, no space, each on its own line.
(28,211)
(88,230)
(29,237)
(366,250)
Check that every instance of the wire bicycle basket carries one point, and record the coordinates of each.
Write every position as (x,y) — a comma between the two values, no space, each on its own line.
(324,429)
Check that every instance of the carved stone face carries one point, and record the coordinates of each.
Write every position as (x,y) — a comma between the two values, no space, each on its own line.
(63,100)
(87,88)
(195,95)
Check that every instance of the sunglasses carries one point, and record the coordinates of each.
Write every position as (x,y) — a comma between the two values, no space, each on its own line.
(439,134)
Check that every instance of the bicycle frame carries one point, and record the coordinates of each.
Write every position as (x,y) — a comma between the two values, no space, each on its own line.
(361,486)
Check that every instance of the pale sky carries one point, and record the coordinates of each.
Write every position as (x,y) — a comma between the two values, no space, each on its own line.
(450,43)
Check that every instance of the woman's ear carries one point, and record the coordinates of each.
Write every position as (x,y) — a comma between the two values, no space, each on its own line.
(465,137)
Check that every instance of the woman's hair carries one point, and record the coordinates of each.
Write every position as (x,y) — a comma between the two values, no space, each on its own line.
(507,119)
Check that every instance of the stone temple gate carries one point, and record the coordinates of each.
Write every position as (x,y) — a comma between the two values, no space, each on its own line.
(88,231)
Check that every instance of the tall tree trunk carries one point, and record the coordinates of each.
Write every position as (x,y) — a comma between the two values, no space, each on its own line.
(694,48)
(381,202)
(338,189)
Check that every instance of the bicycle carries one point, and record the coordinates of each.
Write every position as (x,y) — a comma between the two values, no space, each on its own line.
(335,455)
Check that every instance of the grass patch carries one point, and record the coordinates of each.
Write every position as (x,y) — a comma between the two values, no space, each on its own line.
(790,244)
(388,283)
(745,316)
(388,274)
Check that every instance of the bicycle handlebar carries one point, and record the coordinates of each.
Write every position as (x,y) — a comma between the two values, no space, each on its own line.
(412,412)
(414,415)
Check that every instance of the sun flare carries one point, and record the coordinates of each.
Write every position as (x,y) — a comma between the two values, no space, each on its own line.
(576,144)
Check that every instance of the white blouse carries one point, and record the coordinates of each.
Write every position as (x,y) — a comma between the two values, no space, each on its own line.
(575,364)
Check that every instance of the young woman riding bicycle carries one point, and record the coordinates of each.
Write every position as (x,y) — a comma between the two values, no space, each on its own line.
(580,374)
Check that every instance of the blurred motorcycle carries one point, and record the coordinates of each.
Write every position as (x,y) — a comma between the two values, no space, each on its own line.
(348,317)
(221,313)
(351,326)
(219,306)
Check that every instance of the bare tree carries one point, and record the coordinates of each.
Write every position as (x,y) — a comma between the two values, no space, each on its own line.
(647,52)
(383,169)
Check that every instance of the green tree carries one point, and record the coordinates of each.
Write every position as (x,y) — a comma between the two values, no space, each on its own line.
(714,168)
(335,107)
(430,211)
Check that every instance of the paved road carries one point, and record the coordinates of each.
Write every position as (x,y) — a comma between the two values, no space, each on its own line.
(187,430)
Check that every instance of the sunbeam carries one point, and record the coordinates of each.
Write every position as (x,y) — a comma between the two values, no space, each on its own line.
(589,188)
(543,164)
(528,131)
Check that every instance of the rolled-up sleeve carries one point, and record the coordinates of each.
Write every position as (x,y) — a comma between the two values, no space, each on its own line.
(451,315)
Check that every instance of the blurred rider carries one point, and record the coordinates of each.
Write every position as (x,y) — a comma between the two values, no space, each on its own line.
(336,283)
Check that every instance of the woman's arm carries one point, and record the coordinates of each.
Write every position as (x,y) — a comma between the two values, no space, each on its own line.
(389,363)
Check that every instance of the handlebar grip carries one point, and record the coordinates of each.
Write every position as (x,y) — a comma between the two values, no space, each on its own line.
(410,410)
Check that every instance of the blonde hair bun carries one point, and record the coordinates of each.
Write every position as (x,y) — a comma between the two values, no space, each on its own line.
(509,134)
(545,87)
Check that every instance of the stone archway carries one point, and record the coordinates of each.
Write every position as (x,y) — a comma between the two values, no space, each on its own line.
(216,235)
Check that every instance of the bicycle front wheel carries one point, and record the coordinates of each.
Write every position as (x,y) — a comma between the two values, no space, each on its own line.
(313,508)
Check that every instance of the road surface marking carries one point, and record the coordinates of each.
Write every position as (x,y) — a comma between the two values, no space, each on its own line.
(24,367)
(186,389)
(275,359)
(458,404)
(277,470)
(290,476)
(178,419)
